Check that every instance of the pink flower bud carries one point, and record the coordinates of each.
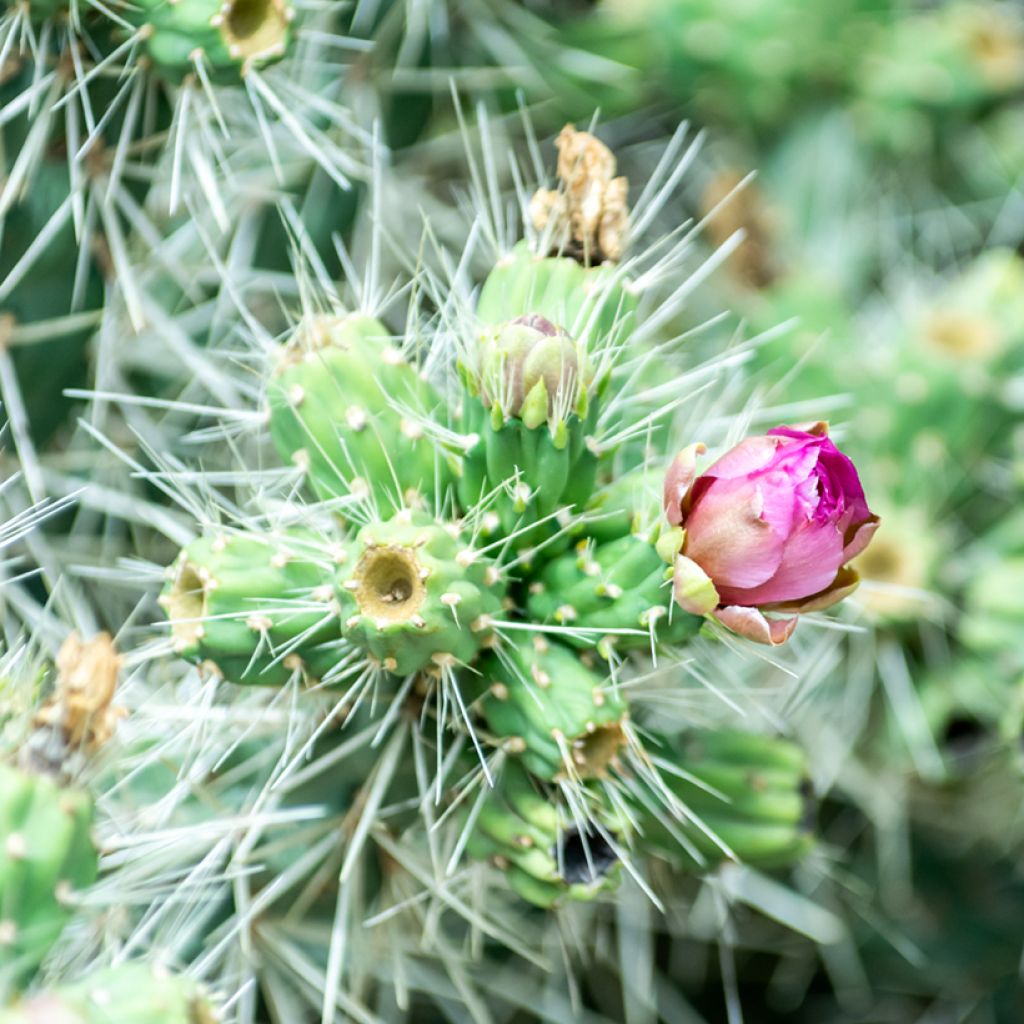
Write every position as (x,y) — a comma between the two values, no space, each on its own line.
(770,527)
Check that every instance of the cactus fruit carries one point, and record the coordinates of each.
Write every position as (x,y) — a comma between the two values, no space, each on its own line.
(225,37)
(338,401)
(550,710)
(622,584)
(545,853)
(742,796)
(415,595)
(46,855)
(255,608)
(131,994)
(530,411)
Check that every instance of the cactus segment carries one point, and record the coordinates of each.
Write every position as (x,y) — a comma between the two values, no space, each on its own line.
(594,304)
(256,608)
(227,37)
(620,584)
(336,397)
(552,712)
(530,409)
(416,596)
(750,793)
(130,994)
(46,855)
(541,849)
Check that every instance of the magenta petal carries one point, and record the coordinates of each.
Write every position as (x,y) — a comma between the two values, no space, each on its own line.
(811,557)
(750,623)
(860,539)
(728,538)
(749,456)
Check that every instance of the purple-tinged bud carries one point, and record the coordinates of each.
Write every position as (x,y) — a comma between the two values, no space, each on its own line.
(770,527)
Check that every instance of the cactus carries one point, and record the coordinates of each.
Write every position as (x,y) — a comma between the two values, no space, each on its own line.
(553,712)
(745,797)
(347,408)
(47,857)
(226,38)
(47,852)
(256,609)
(131,994)
(619,585)
(531,410)
(546,854)
(416,596)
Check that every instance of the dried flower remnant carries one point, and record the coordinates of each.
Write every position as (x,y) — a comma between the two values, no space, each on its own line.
(82,707)
(587,217)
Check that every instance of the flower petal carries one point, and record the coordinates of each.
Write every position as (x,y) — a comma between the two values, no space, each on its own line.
(846,582)
(678,480)
(749,456)
(811,557)
(728,537)
(750,623)
(860,539)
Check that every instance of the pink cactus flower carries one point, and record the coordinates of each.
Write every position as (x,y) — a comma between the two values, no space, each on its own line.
(768,528)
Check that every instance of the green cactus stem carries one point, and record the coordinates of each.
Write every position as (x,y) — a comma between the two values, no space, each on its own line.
(551,711)
(739,795)
(527,834)
(228,37)
(46,856)
(594,304)
(255,608)
(621,584)
(337,400)
(416,596)
(130,994)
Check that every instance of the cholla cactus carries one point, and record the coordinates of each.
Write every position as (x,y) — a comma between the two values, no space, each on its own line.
(49,855)
(121,995)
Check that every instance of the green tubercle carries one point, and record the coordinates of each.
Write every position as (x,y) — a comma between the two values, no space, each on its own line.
(229,37)
(735,795)
(546,707)
(525,832)
(621,584)
(416,596)
(130,994)
(257,608)
(347,407)
(46,856)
